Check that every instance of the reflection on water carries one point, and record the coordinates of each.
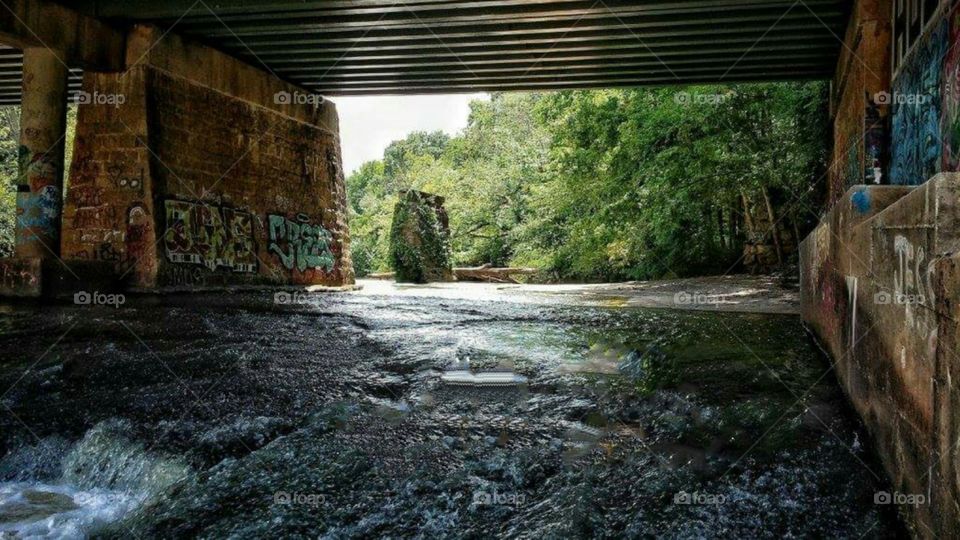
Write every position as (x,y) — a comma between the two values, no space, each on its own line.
(228,415)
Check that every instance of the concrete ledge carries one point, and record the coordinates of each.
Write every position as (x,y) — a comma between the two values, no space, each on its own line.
(822,288)
(247,288)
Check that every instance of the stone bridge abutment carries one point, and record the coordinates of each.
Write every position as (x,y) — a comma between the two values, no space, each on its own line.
(879,275)
(191,169)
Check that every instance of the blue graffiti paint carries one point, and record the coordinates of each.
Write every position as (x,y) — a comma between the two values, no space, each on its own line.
(37,213)
(861,201)
(915,127)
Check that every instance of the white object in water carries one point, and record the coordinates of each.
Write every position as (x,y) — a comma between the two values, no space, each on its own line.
(483,378)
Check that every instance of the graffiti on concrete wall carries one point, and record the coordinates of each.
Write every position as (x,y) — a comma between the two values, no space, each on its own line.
(300,244)
(138,237)
(38,196)
(912,278)
(214,237)
(16,274)
(94,219)
(124,179)
(915,127)
(186,276)
(140,244)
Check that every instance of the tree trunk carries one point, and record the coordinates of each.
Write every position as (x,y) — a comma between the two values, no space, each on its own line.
(796,229)
(723,241)
(773,227)
(734,224)
(747,218)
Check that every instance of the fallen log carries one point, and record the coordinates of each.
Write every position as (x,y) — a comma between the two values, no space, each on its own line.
(491,274)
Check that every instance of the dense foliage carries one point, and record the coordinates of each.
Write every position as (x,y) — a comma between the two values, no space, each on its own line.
(9,134)
(611,184)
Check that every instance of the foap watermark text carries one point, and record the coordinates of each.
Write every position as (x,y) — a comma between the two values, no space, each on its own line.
(898,98)
(696,497)
(297,98)
(287,498)
(487,498)
(694,98)
(95,298)
(684,298)
(99,98)
(908,499)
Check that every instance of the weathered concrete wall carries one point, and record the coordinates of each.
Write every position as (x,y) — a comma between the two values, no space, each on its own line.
(192,169)
(880,281)
(20,276)
(863,72)
(878,284)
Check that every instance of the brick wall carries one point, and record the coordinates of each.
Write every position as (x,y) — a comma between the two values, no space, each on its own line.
(179,183)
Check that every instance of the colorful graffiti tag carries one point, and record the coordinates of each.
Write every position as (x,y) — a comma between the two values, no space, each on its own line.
(300,244)
(38,196)
(915,155)
(210,236)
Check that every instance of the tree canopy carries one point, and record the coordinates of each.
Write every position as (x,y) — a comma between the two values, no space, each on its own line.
(608,184)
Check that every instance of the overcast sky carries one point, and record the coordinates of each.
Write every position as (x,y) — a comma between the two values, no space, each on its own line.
(369,124)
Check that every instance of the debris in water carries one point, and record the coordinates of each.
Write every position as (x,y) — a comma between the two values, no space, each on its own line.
(459,374)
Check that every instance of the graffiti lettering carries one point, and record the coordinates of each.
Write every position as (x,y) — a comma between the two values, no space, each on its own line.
(299,244)
(911,280)
(915,128)
(186,276)
(210,236)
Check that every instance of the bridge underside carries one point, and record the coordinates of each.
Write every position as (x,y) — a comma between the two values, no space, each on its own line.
(356,47)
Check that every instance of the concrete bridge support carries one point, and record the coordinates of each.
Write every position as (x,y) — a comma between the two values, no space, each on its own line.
(879,275)
(42,143)
(191,169)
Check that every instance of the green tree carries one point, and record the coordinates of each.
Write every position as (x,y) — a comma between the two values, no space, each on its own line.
(610,184)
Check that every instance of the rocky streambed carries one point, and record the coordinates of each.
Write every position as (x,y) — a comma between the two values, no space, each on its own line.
(252,415)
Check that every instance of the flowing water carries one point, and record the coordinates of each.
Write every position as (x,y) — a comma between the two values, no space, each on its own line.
(468,411)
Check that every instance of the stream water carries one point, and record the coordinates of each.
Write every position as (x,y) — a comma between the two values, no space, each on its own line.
(329,415)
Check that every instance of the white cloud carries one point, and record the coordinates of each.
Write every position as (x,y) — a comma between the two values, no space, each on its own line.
(369,124)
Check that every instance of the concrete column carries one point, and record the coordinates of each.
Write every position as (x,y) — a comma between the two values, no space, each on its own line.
(43,119)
